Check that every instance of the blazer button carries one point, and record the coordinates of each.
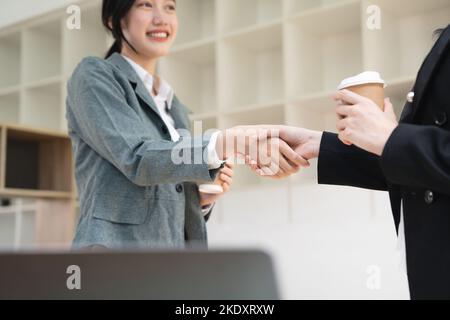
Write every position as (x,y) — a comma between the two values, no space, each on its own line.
(440,119)
(179,188)
(410,97)
(429,197)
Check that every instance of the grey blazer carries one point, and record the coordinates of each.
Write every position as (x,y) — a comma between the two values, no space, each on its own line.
(131,193)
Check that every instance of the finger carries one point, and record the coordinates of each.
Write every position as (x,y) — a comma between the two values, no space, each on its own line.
(287,167)
(291,155)
(282,174)
(349,97)
(342,124)
(345,111)
(254,169)
(226,179)
(275,168)
(339,117)
(225,187)
(267,171)
(227,171)
(343,136)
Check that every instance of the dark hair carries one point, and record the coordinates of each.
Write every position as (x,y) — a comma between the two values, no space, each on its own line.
(438,32)
(113,11)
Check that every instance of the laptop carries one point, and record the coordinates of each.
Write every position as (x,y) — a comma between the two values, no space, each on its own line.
(163,275)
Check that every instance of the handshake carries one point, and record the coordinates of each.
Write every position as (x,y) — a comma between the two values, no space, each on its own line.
(270,151)
(279,151)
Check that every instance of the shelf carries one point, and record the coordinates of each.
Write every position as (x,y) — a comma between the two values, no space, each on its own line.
(11,208)
(269,115)
(319,55)
(9,107)
(3,202)
(251,68)
(25,193)
(196,19)
(7,223)
(27,233)
(91,40)
(31,224)
(42,43)
(42,100)
(238,14)
(17,224)
(317,114)
(10,55)
(192,74)
(37,164)
(296,6)
(406,37)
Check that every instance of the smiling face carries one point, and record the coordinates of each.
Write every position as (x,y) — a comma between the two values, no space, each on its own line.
(151,28)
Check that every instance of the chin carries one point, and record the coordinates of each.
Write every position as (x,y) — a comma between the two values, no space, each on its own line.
(157,52)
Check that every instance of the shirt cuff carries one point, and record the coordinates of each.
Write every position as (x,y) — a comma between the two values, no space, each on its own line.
(213,159)
(207,209)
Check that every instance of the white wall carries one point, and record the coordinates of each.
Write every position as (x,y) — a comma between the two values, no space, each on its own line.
(326,249)
(19,10)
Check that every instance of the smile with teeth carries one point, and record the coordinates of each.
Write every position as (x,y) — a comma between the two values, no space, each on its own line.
(158,35)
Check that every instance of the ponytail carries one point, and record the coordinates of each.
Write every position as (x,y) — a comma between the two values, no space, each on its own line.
(113,11)
(116,47)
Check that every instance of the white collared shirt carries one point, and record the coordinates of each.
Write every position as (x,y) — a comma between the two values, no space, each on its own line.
(165,98)
(163,101)
(401,243)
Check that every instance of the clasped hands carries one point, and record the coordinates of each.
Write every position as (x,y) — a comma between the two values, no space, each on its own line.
(278,151)
(270,150)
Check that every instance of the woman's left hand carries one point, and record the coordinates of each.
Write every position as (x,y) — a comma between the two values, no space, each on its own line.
(363,123)
(224,179)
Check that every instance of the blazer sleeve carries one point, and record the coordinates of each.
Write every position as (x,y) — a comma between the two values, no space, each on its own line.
(104,120)
(344,165)
(418,156)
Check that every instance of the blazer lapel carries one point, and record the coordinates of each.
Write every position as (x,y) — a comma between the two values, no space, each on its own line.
(180,114)
(178,111)
(427,69)
(139,88)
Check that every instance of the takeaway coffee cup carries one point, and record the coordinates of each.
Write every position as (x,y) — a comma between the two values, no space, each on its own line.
(368,84)
(210,188)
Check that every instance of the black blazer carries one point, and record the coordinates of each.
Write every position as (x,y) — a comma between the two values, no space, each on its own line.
(415,167)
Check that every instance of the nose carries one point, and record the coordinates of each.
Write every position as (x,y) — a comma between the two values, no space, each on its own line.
(159,17)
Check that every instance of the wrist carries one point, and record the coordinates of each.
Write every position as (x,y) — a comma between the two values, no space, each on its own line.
(316,139)
(387,136)
(221,146)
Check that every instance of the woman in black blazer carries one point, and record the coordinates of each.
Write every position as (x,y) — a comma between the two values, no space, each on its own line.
(410,159)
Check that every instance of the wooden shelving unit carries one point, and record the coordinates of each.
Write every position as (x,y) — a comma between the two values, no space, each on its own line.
(36,178)
(235,62)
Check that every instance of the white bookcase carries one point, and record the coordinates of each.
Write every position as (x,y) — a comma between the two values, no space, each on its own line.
(235,61)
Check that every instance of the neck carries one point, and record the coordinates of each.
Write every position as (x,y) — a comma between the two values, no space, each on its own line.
(148,64)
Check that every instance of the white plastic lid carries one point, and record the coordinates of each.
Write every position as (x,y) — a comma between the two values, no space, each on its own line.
(210,188)
(362,78)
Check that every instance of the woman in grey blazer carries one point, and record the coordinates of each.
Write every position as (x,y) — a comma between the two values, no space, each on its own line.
(122,121)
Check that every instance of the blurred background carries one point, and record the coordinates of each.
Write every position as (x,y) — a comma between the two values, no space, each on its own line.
(235,62)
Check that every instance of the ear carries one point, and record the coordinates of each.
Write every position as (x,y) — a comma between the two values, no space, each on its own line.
(110,26)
